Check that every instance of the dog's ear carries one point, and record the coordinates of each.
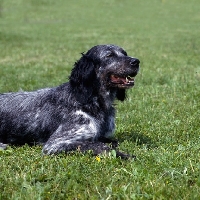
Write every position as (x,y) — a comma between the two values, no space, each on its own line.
(83,79)
(121,94)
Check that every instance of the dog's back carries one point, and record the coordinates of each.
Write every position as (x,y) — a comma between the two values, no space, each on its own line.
(27,117)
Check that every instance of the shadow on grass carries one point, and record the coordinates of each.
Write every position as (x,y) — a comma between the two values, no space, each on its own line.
(138,138)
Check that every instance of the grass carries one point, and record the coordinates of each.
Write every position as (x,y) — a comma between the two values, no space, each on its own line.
(39,42)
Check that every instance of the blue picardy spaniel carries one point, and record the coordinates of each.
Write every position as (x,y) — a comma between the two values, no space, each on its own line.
(78,114)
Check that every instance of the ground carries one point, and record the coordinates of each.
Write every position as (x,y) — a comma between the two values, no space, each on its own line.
(39,42)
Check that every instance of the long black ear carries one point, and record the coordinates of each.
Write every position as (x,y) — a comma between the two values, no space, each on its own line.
(121,94)
(83,79)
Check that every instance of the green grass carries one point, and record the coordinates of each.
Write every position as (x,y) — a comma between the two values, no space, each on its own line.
(160,121)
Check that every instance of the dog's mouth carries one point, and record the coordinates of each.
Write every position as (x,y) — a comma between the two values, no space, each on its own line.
(122,81)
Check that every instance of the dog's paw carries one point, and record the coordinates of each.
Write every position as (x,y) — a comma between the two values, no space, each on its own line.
(114,143)
(125,156)
(56,148)
(53,149)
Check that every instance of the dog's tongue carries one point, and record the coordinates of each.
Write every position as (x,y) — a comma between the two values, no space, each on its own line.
(121,80)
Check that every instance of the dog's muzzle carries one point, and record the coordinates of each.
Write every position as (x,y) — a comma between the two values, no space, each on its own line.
(126,80)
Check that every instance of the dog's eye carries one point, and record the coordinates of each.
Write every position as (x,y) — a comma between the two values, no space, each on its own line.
(110,54)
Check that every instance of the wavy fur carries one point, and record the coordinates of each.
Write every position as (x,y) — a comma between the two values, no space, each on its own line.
(77,114)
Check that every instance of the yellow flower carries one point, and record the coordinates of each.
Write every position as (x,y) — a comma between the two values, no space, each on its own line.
(98,158)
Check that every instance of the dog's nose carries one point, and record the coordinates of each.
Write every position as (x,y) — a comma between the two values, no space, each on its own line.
(134,62)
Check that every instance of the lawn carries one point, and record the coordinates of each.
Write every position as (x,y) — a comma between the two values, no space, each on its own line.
(159,122)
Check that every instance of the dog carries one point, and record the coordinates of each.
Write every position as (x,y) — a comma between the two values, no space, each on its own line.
(78,114)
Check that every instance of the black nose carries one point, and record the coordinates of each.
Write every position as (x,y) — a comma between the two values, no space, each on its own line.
(134,62)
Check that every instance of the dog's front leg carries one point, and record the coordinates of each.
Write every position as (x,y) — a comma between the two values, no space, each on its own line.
(68,138)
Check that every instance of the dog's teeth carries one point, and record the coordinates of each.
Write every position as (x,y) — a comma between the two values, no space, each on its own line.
(127,80)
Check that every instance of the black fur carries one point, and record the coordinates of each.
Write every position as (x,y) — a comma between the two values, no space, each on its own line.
(77,114)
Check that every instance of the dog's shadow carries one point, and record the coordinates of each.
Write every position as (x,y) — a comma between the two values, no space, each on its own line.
(138,138)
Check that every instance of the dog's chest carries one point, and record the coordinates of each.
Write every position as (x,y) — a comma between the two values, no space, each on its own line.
(106,124)
(101,125)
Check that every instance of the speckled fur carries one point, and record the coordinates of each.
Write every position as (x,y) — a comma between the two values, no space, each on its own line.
(77,114)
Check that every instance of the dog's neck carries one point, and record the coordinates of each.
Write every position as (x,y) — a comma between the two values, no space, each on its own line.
(107,97)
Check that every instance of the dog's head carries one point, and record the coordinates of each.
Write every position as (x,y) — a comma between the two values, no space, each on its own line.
(114,66)
(106,65)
